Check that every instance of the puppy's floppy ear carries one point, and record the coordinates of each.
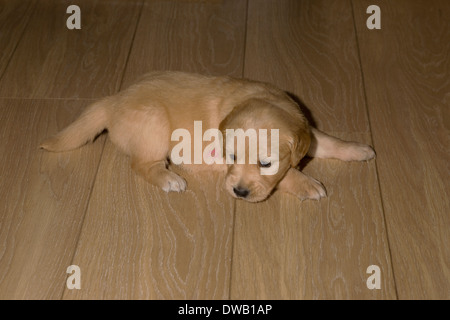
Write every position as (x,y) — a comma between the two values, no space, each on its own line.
(222,128)
(231,120)
(299,141)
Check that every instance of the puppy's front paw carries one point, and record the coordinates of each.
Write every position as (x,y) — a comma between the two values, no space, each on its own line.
(173,182)
(311,189)
(301,185)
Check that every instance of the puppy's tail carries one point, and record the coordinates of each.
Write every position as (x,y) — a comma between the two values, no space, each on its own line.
(90,123)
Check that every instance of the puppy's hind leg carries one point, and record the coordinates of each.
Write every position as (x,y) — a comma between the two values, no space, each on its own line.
(142,134)
(325,146)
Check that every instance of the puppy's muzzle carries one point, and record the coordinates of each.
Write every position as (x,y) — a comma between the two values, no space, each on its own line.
(241,192)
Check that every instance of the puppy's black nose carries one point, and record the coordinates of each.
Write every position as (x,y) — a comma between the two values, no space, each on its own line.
(241,192)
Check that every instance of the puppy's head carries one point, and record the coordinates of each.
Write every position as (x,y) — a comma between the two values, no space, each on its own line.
(262,140)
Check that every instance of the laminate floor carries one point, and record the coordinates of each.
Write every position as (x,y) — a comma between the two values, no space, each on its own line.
(388,87)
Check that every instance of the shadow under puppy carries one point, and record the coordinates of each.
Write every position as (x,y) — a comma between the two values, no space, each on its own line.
(140,121)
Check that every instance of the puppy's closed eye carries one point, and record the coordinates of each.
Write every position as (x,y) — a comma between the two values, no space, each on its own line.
(264,163)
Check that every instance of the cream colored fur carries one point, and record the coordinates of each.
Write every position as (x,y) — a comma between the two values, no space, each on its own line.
(140,121)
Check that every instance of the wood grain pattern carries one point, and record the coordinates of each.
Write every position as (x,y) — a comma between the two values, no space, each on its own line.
(139,242)
(387,87)
(285,249)
(163,246)
(308,48)
(406,71)
(194,36)
(288,249)
(14,16)
(52,61)
(44,198)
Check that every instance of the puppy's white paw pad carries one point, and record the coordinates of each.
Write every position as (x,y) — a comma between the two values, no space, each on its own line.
(174,183)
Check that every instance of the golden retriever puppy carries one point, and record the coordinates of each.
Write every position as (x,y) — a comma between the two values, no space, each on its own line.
(153,122)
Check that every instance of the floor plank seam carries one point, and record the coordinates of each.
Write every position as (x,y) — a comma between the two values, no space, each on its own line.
(244,53)
(131,45)
(85,213)
(373,144)
(18,41)
(232,250)
(234,201)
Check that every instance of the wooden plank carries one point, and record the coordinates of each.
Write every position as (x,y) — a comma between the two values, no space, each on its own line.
(52,61)
(287,249)
(44,198)
(194,36)
(406,74)
(314,58)
(14,16)
(137,241)
(284,248)
(140,243)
